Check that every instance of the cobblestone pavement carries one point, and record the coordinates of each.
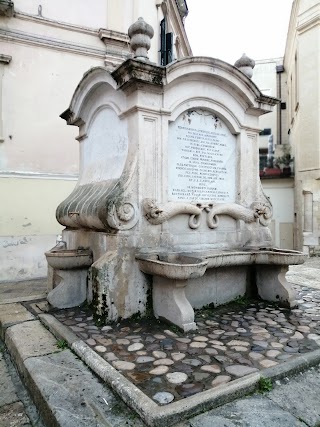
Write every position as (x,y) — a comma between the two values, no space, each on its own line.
(168,365)
(307,274)
(231,342)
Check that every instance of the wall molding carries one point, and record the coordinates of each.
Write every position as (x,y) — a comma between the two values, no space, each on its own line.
(38,175)
(57,24)
(308,25)
(48,42)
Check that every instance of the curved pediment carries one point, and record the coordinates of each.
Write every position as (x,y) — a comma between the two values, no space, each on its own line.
(96,87)
(224,76)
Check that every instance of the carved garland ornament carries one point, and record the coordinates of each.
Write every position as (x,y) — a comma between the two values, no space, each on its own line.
(157,214)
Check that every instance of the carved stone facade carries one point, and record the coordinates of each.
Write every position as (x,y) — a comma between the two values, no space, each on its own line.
(164,169)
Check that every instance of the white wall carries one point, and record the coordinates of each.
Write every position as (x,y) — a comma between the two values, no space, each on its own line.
(302,65)
(28,226)
(265,77)
(281,194)
(91,13)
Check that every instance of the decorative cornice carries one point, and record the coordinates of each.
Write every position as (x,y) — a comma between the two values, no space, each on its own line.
(51,43)
(308,25)
(57,24)
(114,38)
(134,71)
(38,175)
(146,110)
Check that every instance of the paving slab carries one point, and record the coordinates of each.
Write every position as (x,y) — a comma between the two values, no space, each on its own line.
(11,314)
(300,396)
(24,290)
(68,394)
(256,411)
(7,390)
(29,339)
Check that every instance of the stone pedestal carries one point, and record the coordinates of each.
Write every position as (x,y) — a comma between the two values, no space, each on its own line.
(272,285)
(70,288)
(170,303)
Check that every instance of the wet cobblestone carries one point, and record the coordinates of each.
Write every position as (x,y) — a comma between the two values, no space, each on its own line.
(231,341)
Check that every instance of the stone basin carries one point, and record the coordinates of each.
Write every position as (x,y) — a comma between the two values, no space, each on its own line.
(172,266)
(173,272)
(69,259)
(263,256)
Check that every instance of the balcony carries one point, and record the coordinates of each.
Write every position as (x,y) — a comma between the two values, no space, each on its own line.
(273,168)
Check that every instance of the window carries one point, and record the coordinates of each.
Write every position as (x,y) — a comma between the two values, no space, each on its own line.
(263,159)
(166,44)
(296,88)
(265,132)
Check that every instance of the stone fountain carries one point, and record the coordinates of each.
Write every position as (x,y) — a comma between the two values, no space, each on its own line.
(168,202)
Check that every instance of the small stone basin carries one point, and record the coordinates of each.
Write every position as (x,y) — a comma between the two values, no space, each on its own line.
(172,266)
(252,256)
(277,256)
(69,259)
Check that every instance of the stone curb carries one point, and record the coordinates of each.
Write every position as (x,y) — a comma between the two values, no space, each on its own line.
(292,367)
(60,331)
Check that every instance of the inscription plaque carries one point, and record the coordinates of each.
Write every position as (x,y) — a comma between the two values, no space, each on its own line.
(201,159)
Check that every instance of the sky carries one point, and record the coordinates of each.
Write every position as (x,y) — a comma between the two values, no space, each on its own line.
(226,29)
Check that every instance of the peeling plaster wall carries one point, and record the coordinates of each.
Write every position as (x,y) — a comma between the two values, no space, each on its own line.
(27,224)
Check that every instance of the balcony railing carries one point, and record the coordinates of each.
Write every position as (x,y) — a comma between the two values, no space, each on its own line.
(269,169)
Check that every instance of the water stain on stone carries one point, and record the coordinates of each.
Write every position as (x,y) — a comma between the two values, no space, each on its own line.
(186,390)
(139,377)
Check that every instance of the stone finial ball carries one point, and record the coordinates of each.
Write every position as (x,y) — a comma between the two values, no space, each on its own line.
(246,65)
(140,34)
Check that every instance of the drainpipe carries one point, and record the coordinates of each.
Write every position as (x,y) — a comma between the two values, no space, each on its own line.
(270,152)
(280,70)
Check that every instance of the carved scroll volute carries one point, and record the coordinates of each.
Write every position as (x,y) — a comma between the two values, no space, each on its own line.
(122,216)
(263,212)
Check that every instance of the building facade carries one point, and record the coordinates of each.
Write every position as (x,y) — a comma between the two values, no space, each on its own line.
(277,183)
(302,69)
(290,137)
(44,51)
